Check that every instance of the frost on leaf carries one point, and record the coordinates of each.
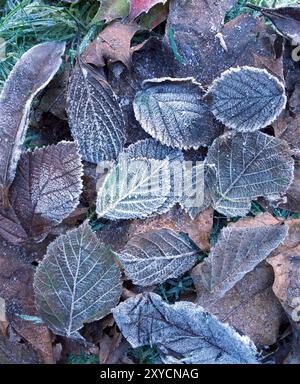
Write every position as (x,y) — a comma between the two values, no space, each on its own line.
(237,252)
(173,112)
(135,188)
(153,257)
(182,332)
(47,187)
(247,99)
(95,116)
(77,282)
(11,229)
(32,72)
(152,149)
(243,166)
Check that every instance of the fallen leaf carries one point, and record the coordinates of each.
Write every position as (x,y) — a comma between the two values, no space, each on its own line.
(173,112)
(182,332)
(138,7)
(153,257)
(237,252)
(109,347)
(285,19)
(33,72)
(95,117)
(263,166)
(113,44)
(156,15)
(77,282)
(247,99)
(47,187)
(113,9)
(286,265)
(3,318)
(250,306)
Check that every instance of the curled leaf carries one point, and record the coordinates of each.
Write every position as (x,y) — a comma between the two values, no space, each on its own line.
(32,72)
(247,98)
(243,166)
(77,282)
(95,116)
(173,112)
(153,257)
(138,7)
(47,187)
(182,333)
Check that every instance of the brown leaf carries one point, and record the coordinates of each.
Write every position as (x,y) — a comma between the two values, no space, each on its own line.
(11,229)
(108,347)
(3,318)
(250,306)
(286,264)
(292,198)
(113,44)
(285,19)
(13,351)
(32,72)
(16,280)
(207,49)
(47,187)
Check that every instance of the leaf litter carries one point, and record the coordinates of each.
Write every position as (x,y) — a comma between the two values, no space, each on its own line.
(159,93)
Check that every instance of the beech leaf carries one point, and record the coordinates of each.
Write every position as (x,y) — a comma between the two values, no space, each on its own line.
(153,257)
(135,188)
(182,332)
(47,187)
(173,112)
(95,116)
(247,98)
(32,72)
(243,166)
(237,252)
(77,282)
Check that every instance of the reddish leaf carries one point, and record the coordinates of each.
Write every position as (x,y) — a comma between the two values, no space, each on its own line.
(138,7)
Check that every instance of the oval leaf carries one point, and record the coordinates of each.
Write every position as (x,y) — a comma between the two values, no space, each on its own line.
(95,117)
(47,187)
(153,257)
(237,252)
(32,72)
(247,99)
(182,332)
(244,166)
(173,112)
(77,282)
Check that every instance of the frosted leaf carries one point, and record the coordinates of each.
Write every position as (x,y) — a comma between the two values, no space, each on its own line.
(95,116)
(173,112)
(246,98)
(32,72)
(152,149)
(153,257)
(243,166)
(77,282)
(135,188)
(182,332)
(11,229)
(237,252)
(47,187)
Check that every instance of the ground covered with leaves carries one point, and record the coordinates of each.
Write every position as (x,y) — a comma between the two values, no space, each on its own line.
(149,182)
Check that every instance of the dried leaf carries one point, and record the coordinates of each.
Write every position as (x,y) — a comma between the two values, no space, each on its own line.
(250,306)
(244,166)
(285,19)
(138,7)
(47,187)
(112,45)
(135,189)
(237,252)
(77,282)
(11,229)
(113,9)
(33,72)
(292,202)
(247,98)
(286,265)
(182,333)
(157,15)
(172,111)
(153,257)
(95,116)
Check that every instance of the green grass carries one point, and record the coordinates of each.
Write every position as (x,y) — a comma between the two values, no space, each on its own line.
(83,358)
(144,355)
